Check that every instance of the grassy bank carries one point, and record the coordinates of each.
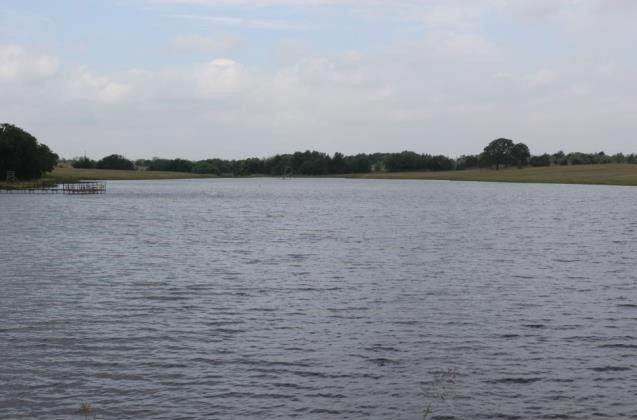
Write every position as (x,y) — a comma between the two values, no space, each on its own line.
(72,174)
(610,174)
(26,185)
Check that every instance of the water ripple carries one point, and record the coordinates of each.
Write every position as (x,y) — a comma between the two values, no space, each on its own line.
(320,299)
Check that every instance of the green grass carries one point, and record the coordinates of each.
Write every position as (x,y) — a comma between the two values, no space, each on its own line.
(610,174)
(26,185)
(72,174)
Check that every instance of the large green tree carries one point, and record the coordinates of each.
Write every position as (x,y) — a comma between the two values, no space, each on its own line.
(520,154)
(115,162)
(498,152)
(21,152)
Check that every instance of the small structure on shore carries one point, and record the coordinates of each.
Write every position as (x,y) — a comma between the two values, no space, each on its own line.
(84,187)
(43,187)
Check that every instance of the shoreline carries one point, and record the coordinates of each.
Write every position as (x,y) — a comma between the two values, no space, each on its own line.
(603,174)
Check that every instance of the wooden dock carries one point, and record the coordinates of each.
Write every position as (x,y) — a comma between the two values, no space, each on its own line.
(80,187)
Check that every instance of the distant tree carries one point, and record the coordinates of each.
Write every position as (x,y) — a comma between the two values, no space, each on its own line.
(520,154)
(577,158)
(467,162)
(543,160)
(115,162)
(440,163)
(472,161)
(403,161)
(498,152)
(315,163)
(360,163)
(145,163)
(83,163)
(559,158)
(377,161)
(412,161)
(602,157)
(279,164)
(206,167)
(158,164)
(618,158)
(301,163)
(337,164)
(21,152)
(47,160)
(180,165)
(297,160)
(252,166)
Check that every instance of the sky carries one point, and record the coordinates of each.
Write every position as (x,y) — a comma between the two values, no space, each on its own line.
(198,79)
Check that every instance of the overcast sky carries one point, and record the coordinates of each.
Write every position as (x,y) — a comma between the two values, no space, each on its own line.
(238,78)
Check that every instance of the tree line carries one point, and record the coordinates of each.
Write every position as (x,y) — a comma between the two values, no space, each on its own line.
(499,153)
(21,154)
(299,163)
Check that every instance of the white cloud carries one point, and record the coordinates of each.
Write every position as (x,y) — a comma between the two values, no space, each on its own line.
(220,77)
(463,46)
(541,78)
(444,84)
(264,3)
(238,21)
(219,43)
(581,89)
(18,64)
(536,9)
(87,85)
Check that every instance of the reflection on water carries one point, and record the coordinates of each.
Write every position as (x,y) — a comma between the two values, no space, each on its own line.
(268,298)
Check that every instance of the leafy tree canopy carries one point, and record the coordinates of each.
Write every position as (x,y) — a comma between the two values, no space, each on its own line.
(520,154)
(502,152)
(21,152)
(115,162)
(83,163)
(498,152)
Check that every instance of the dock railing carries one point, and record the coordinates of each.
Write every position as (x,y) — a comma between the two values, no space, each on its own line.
(47,187)
(84,187)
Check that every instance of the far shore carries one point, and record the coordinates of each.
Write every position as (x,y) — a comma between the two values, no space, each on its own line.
(604,174)
(70,174)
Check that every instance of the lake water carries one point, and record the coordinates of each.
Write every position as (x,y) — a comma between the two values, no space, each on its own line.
(320,299)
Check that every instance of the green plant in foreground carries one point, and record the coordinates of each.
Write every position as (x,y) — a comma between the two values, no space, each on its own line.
(439,389)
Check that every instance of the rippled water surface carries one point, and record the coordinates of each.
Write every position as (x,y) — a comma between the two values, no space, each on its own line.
(319,299)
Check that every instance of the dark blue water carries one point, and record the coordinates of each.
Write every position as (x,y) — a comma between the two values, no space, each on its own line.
(320,299)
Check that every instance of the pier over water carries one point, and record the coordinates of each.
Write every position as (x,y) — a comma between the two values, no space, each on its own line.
(43,187)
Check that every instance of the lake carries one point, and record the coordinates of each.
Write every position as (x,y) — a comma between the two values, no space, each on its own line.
(320,299)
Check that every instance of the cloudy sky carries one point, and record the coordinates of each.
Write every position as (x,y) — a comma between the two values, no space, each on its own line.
(238,78)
